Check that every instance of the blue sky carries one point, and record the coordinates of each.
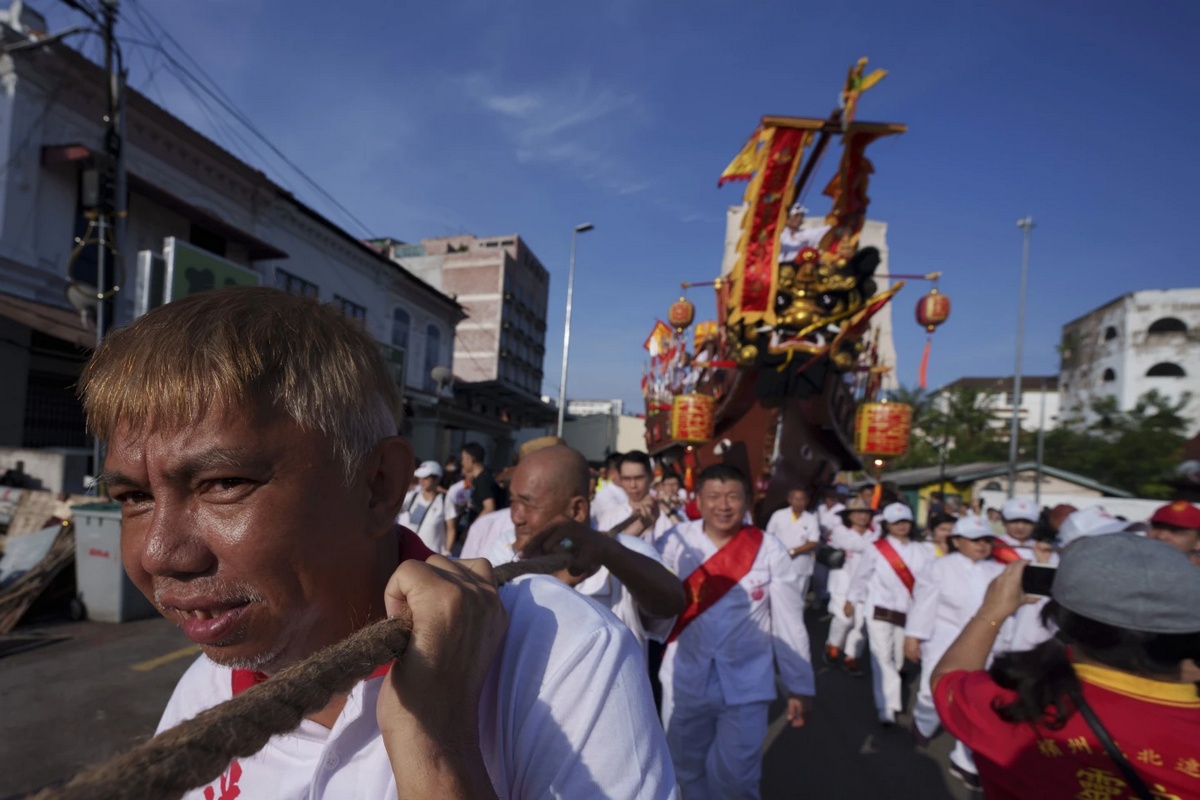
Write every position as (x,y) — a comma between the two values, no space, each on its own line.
(428,119)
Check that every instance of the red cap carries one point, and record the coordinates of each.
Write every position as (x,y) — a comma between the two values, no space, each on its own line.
(1181,514)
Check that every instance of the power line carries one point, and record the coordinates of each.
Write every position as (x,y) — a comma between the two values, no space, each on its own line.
(205,94)
(210,87)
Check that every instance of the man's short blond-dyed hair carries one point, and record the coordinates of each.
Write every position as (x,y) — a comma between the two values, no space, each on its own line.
(239,350)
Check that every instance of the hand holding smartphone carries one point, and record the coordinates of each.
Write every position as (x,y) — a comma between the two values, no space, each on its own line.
(1038,579)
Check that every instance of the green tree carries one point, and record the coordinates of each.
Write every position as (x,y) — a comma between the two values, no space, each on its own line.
(966,418)
(961,421)
(1133,449)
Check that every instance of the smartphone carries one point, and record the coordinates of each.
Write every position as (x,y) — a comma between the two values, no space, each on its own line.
(1037,579)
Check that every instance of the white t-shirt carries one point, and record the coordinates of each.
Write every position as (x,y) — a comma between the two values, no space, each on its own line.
(458,495)
(484,532)
(603,587)
(607,496)
(796,532)
(427,519)
(566,712)
(608,591)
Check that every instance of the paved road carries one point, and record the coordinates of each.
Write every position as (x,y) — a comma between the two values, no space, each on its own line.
(845,753)
(80,701)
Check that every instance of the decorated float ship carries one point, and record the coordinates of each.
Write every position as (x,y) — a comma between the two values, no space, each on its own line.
(776,384)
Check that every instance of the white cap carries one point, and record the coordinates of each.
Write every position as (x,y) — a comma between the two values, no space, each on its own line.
(897,512)
(798,208)
(1090,521)
(972,527)
(1019,508)
(429,469)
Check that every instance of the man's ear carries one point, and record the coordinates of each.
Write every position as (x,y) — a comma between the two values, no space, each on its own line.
(579,510)
(390,470)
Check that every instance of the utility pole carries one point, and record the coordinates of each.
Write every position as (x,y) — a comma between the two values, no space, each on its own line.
(1025,224)
(562,383)
(110,181)
(1041,447)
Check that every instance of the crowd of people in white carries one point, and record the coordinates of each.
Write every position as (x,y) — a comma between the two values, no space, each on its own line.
(267,510)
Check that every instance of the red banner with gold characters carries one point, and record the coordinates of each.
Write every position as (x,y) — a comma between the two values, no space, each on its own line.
(779,152)
(882,429)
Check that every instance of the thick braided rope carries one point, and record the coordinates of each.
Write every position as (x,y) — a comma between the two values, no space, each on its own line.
(198,751)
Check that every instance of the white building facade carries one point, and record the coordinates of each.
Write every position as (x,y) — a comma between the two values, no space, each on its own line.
(1142,341)
(1039,406)
(181,185)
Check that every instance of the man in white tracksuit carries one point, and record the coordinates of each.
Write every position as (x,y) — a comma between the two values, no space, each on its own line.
(745,615)
(883,581)
(949,591)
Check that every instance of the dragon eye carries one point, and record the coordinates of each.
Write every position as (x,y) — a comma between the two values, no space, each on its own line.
(783,300)
(827,301)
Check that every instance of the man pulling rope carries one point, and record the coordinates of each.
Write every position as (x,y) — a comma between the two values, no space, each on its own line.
(199,750)
(252,445)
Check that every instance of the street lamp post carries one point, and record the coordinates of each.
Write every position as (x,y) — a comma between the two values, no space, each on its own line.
(562,383)
(1025,224)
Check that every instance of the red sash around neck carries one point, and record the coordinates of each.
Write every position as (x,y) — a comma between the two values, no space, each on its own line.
(411,547)
(897,563)
(709,582)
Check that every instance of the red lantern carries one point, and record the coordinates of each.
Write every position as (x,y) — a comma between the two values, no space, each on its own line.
(681,314)
(693,418)
(932,310)
(882,429)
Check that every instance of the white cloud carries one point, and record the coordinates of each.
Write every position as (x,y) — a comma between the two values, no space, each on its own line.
(517,105)
(571,125)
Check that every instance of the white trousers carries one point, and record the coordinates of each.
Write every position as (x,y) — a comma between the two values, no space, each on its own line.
(925,716)
(887,659)
(717,748)
(846,633)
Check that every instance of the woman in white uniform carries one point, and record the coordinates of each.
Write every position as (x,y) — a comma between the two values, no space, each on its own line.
(883,584)
(948,593)
(853,536)
(426,511)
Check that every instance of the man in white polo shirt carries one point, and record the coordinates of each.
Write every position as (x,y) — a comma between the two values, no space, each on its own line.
(798,529)
(259,478)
